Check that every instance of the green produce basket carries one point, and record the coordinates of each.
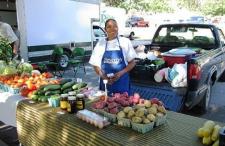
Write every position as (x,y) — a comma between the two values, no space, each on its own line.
(142,128)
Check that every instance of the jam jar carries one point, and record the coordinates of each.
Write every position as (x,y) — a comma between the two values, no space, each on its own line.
(80,103)
(63,101)
(71,106)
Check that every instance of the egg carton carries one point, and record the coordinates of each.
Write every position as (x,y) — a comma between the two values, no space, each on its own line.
(142,128)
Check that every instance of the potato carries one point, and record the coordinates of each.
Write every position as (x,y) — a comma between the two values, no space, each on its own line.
(127,109)
(152,110)
(146,121)
(161,109)
(121,114)
(138,106)
(155,105)
(140,112)
(130,114)
(147,103)
(136,119)
(151,117)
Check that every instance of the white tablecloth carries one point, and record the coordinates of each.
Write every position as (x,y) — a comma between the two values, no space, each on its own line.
(8,104)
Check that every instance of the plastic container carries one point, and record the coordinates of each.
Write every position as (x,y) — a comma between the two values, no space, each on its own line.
(172,59)
(142,128)
(53,102)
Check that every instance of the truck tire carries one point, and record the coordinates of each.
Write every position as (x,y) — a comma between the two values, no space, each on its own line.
(63,61)
(204,104)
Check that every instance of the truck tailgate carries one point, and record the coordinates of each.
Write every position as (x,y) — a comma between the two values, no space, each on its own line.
(172,100)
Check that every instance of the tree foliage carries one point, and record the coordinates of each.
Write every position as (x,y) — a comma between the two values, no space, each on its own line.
(207,7)
(193,5)
(141,5)
(214,8)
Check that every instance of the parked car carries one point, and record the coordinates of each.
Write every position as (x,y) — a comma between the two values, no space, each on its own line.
(135,21)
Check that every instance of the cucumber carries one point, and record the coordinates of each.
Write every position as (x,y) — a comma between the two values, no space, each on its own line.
(68,85)
(79,86)
(67,90)
(47,93)
(63,81)
(41,92)
(44,99)
(52,87)
(42,87)
(34,97)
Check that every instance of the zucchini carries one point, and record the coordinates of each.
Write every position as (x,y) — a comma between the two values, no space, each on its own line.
(52,87)
(68,85)
(63,81)
(47,93)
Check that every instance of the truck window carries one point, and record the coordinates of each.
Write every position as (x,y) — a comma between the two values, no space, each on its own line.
(98,32)
(190,36)
(221,35)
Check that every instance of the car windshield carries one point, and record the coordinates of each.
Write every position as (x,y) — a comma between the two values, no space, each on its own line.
(185,36)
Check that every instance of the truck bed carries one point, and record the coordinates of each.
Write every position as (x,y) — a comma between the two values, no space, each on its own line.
(172,100)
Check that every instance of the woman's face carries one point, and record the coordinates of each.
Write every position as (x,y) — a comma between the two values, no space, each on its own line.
(111,29)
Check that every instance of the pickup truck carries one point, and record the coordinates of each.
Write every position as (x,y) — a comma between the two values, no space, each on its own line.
(203,69)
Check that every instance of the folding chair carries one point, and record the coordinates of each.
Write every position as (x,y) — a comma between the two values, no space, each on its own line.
(77,60)
(53,65)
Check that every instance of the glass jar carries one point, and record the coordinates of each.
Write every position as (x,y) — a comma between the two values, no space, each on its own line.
(71,106)
(63,101)
(80,103)
(72,93)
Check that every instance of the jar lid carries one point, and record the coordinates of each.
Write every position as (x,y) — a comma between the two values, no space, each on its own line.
(72,93)
(64,95)
(71,98)
(80,95)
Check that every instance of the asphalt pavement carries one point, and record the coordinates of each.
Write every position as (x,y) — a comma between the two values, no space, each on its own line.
(216,111)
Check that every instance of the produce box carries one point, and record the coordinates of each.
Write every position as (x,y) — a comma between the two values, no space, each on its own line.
(111,117)
(142,128)
(146,69)
(123,122)
(160,120)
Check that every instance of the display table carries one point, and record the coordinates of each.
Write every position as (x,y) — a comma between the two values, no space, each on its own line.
(8,103)
(40,125)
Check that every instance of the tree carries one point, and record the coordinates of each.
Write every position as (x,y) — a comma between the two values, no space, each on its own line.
(141,5)
(214,8)
(193,5)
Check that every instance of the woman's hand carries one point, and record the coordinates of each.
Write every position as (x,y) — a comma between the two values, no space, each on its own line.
(115,77)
